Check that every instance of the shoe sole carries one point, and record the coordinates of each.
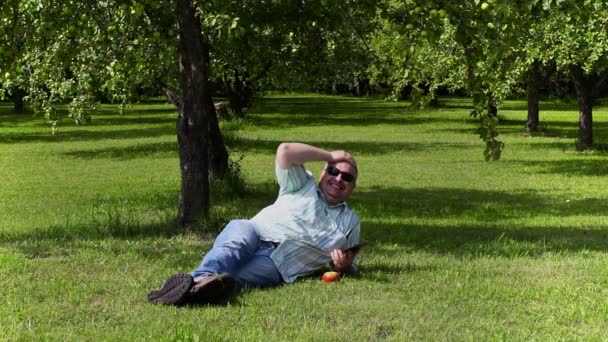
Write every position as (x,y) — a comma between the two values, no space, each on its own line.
(174,290)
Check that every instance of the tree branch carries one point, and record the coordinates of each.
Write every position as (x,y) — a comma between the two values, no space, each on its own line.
(171,95)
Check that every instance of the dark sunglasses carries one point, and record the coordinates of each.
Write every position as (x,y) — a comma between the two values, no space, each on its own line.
(334,171)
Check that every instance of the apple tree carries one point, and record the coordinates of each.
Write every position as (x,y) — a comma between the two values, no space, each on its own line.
(290,45)
(574,36)
(80,52)
(458,43)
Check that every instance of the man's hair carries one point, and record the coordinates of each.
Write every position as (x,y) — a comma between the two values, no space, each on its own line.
(353,164)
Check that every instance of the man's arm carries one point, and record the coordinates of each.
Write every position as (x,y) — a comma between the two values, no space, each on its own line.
(290,154)
(344,260)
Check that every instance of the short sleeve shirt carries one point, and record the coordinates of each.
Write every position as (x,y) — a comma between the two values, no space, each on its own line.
(305,227)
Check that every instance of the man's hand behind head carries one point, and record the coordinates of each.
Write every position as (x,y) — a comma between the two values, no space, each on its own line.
(343,156)
(340,155)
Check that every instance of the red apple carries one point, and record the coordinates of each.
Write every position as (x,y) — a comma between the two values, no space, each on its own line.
(330,277)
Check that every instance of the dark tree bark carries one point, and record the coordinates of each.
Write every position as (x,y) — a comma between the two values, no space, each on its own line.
(218,155)
(362,87)
(239,92)
(170,94)
(195,110)
(492,109)
(584,95)
(471,74)
(532,90)
(18,95)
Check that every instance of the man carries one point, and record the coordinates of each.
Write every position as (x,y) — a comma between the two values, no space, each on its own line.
(306,228)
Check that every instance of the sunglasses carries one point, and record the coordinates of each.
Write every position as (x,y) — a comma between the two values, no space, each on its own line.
(334,171)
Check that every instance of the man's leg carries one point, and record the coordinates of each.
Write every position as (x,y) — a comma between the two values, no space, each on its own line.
(212,281)
(232,248)
(260,271)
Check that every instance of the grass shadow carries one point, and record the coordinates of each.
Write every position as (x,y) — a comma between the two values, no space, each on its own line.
(83,134)
(132,120)
(156,150)
(596,167)
(447,203)
(468,239)
(336,111)
(247,145)
(476,241)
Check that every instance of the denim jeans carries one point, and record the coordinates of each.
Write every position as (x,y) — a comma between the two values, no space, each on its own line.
(239,251)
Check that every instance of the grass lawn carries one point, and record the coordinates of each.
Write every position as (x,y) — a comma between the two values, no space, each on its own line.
(460,248)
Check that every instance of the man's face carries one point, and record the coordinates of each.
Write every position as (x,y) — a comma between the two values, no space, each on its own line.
(334,182)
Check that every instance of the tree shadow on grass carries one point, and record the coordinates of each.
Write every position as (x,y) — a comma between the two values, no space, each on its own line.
(12,120)
(545,106)
(381,207)
(114,218)
(466,104)
(133,120)
(247,145)
(479,205)
(596,167)
(83,134)
(474,241)
(155,150)
(339,111)
(550,130)
(449,224)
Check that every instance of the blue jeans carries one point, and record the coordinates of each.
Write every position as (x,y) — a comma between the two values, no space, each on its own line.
(239,251)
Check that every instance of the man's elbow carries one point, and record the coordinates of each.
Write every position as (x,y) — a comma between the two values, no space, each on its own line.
(282,156)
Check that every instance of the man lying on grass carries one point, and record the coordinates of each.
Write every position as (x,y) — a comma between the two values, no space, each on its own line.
(306,228)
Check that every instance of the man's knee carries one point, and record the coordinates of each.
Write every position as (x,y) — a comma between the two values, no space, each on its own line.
(240,232)
(242,227)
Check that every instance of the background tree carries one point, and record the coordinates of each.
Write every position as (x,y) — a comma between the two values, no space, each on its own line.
(574,36)
(482,42)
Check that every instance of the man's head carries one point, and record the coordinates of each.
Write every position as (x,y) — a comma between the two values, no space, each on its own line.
(338,181)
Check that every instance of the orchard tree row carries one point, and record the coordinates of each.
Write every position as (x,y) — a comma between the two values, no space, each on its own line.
(84,52)
(488,47)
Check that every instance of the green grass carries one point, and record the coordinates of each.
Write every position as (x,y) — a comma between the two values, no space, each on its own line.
(460,249)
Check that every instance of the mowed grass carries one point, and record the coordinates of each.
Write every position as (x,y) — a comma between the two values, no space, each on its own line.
(460,249)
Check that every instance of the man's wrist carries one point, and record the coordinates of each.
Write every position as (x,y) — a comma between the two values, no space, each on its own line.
(347,269)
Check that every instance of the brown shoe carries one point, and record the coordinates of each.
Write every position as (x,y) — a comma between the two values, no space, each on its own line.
(174,291)
(211,289)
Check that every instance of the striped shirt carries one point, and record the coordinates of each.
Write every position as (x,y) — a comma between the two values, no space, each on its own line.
(305,227)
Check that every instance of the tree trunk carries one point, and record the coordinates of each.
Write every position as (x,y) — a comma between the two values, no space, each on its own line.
(492,109)
(218,155)
(362,86)
(193,120)
(18,95)
(473,84)
(232,91)
(584,96)
(532,89)
(239,92)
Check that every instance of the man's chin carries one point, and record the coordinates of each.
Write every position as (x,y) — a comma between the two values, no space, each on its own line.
(331,199)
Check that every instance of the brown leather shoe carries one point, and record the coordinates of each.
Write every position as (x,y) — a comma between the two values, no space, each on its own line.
(174,291)
(211,289)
